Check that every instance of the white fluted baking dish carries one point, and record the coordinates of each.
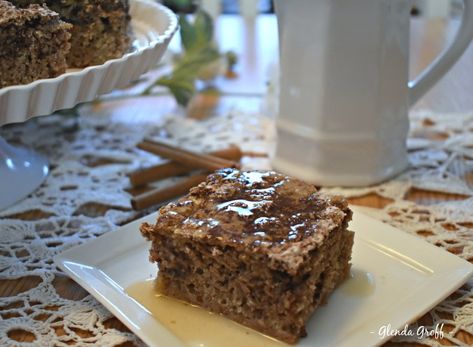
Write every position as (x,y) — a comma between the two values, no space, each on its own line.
(153,27)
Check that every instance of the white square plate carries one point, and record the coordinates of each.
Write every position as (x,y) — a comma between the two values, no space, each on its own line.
(409,276)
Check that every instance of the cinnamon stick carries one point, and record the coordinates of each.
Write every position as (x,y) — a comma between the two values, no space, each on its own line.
(170,169)
(192,159)
(159,195)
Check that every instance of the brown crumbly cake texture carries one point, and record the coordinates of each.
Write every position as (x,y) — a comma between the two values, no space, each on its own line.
(260,248)
(100,29)
(34,43)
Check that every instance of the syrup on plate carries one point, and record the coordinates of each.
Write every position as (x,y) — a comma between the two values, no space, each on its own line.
(360,284)
(193,325)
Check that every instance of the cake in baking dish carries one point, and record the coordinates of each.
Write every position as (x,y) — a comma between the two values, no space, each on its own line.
(100,28)
(34,43)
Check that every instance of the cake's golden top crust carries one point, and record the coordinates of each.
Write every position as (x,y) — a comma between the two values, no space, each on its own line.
(262,211)
(10,15)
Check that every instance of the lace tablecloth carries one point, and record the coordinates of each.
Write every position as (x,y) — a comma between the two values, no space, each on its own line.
(86,196)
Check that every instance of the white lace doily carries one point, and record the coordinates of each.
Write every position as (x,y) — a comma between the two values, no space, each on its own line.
(85,196)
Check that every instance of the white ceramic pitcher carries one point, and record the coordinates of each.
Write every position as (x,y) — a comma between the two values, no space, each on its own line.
(344,89)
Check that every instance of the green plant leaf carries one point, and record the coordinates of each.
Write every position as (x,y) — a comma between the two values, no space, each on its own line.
(198,34)
(181,82)
(178,5)
(232,59)
(190,64)
(204,28)
(182,96)
(187,32)
(199,51)
(181,89)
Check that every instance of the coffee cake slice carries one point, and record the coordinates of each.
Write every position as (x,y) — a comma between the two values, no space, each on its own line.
(260,248)
(100,29)
(34,43)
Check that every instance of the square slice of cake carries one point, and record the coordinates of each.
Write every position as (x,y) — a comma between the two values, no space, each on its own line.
(34,43)
(258,247)
(100,29)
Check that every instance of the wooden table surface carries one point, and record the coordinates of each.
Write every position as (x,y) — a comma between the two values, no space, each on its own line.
(255,42)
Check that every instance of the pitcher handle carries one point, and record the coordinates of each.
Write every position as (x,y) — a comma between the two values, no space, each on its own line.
(419,86)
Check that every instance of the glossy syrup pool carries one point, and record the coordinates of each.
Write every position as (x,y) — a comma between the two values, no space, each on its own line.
(193,325)
(360,284)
